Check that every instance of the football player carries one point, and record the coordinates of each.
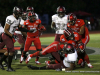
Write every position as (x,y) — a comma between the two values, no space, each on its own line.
(68,63)
(21,35)
(59,22)
(31,9)
(78,25)
(12,22)
(32,24)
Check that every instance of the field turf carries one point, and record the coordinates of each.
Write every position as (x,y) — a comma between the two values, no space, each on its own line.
(21,69)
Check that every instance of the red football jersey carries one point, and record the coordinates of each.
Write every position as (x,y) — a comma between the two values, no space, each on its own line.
(76,27)
(73,42)
(31,26)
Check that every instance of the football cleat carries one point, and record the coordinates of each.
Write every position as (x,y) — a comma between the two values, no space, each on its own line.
(21,59)
(27,59)
(1,66)
(37,62)
(89,65)
(47,62)
(10,69)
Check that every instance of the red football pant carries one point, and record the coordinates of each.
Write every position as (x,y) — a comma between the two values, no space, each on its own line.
(29,41)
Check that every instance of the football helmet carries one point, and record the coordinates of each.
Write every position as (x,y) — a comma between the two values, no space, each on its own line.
(24,17)
(61,11)
(68,48)
(31,17)
(30,9)
(17,12)
(68,33)
(72,18)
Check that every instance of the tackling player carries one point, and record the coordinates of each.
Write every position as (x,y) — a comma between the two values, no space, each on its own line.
(59,22)
(69,53)
(78,25)
(53,47)
(32,24)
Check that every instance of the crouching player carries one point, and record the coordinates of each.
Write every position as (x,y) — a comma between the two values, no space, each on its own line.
(70,56)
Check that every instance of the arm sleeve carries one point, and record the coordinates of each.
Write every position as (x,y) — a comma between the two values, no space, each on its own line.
(23,29)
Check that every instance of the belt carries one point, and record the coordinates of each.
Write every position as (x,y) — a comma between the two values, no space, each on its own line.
(32,37)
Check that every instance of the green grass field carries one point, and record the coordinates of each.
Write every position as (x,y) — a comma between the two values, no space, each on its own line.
(21,69)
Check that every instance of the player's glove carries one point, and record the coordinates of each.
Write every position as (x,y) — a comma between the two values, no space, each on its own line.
(15,37)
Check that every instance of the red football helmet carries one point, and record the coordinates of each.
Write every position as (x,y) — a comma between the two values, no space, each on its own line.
(68,33)
(30,9)
(72,18)
(68,48)
(31,16)
(61,11)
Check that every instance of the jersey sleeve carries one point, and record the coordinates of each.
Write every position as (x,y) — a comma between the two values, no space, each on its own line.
(53,18)
(25,23)
(9,20)
(82,23)
(63,39)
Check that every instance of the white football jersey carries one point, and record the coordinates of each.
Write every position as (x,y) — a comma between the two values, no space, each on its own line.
(22,24)
(1,29)
(13,22)
(61,23)
(70,58)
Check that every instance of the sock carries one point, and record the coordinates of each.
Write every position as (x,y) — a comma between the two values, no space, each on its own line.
(35,54)
(80,61)
(23,53)
(3,58)
(9,61)
(86,58)
(21,49)
(37,58)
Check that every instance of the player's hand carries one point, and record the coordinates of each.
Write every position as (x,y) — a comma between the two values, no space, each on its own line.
(15,37)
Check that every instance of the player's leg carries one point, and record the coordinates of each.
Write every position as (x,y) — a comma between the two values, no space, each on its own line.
(26,48)
(37,44)
(10,51)
(86,57)
(51,48)
(3,58)
(21,41)
(57,37)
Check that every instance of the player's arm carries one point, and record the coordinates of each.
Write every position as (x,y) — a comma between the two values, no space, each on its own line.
(53,25)
(72,65)
(82,29)
(24,29)
(41,27)
(6,29)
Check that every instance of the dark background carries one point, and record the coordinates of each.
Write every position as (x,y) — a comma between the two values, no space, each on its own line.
(49,7)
